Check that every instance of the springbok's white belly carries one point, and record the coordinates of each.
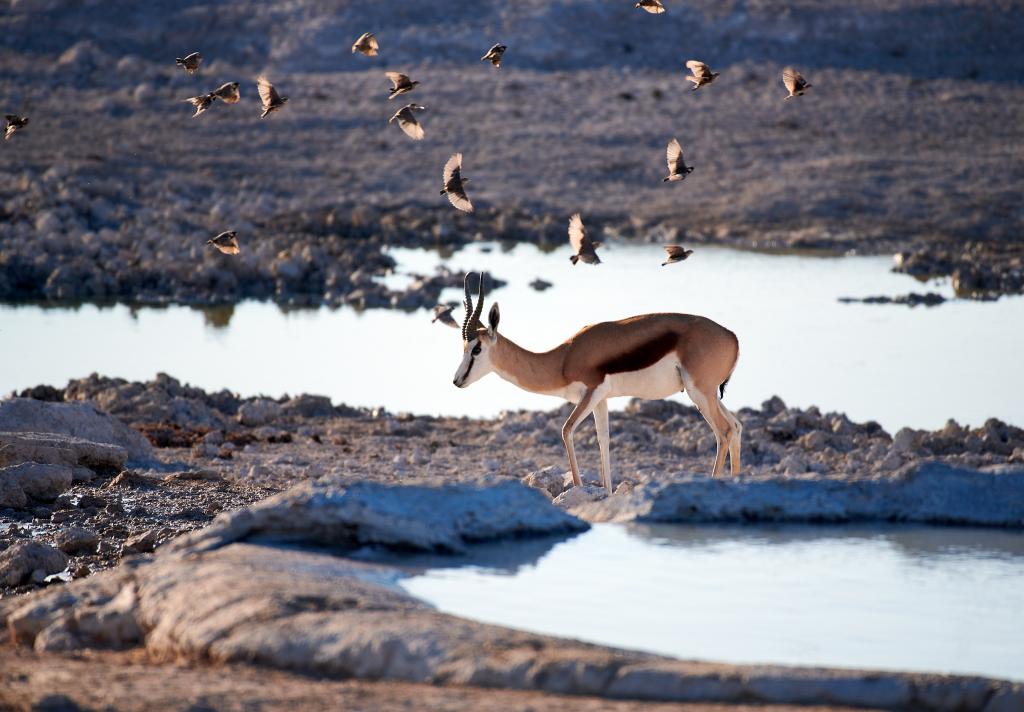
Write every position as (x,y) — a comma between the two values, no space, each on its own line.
(659,380)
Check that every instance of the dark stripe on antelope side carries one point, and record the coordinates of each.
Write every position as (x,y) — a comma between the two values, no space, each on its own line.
(644,355)
(721,388)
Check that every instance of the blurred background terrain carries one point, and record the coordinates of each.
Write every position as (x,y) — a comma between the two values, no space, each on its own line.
(909,140)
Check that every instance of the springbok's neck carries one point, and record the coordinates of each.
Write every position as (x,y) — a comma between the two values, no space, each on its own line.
(535,372)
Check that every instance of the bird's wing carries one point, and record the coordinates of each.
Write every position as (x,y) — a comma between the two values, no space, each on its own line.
(792,79)
(408,123)
(228,93)
(577,233)
(397,78)
(12,118)
(673,250)
(699,69)
(453,168)
(268,94)
(457,197)
(674,156)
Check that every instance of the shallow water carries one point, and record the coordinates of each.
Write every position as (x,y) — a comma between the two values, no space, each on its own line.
(906,598)
(899,366)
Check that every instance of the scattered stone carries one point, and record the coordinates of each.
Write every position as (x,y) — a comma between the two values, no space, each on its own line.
(33,481)
(541,284)
(55,449)
(75,540)
(144,542)
(575,496)
(307,406)
(550,480)
(75,420)
(259,412)
(20,562)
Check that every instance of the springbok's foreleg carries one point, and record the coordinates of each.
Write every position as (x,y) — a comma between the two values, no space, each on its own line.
(581,411)
(601,422)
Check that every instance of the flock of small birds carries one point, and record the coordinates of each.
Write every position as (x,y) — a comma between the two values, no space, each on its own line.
(454,183)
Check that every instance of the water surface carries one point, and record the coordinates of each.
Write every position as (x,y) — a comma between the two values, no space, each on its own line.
(899,366)
(907,598)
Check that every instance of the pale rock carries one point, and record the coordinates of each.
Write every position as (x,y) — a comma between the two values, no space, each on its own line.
(143,542)
(815,440)
(793,465)
(435,515)
(905,441)
(37,481)
(77,420)
(19,561)
(258,412)
(579,495)
(214,437)
(74,540)
(58,449)
(550,480)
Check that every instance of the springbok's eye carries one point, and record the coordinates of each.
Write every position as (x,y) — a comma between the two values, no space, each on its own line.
(476,350)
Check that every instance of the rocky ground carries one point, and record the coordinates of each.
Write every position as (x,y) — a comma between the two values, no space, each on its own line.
(214,451)
(147,532)
(910,140)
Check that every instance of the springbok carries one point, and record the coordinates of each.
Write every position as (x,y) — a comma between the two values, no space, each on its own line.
(650,356)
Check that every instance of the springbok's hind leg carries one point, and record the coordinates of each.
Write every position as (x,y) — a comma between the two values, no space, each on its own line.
(581,411)
(706,400)
(601,422)
(735,436)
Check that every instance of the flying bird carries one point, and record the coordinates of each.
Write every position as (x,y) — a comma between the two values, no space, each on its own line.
(676,253)
(407,121)
(226,242)
(201,102)
(677,168)
(272,101)
(190,62)
(652,6)
(228,93)
(443,313)
(402,84)
(494,55)
(794,81)
(586,251)
(702,74)
(454,184)
(366,44)
(14,122)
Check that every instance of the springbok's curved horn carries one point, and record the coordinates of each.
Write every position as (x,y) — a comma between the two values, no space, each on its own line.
(471,322)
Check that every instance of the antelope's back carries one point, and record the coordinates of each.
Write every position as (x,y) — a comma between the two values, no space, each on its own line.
(635,343)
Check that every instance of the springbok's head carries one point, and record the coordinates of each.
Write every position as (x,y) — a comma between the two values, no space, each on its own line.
(477,339)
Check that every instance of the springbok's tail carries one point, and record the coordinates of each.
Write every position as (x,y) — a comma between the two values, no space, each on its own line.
(723,384)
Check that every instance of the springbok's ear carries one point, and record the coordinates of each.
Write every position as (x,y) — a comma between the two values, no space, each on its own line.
(492,319)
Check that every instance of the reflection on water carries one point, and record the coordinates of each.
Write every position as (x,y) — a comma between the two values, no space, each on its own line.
(896,365)
(895,597)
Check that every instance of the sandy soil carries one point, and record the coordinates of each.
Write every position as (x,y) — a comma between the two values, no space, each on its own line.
(127,681)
